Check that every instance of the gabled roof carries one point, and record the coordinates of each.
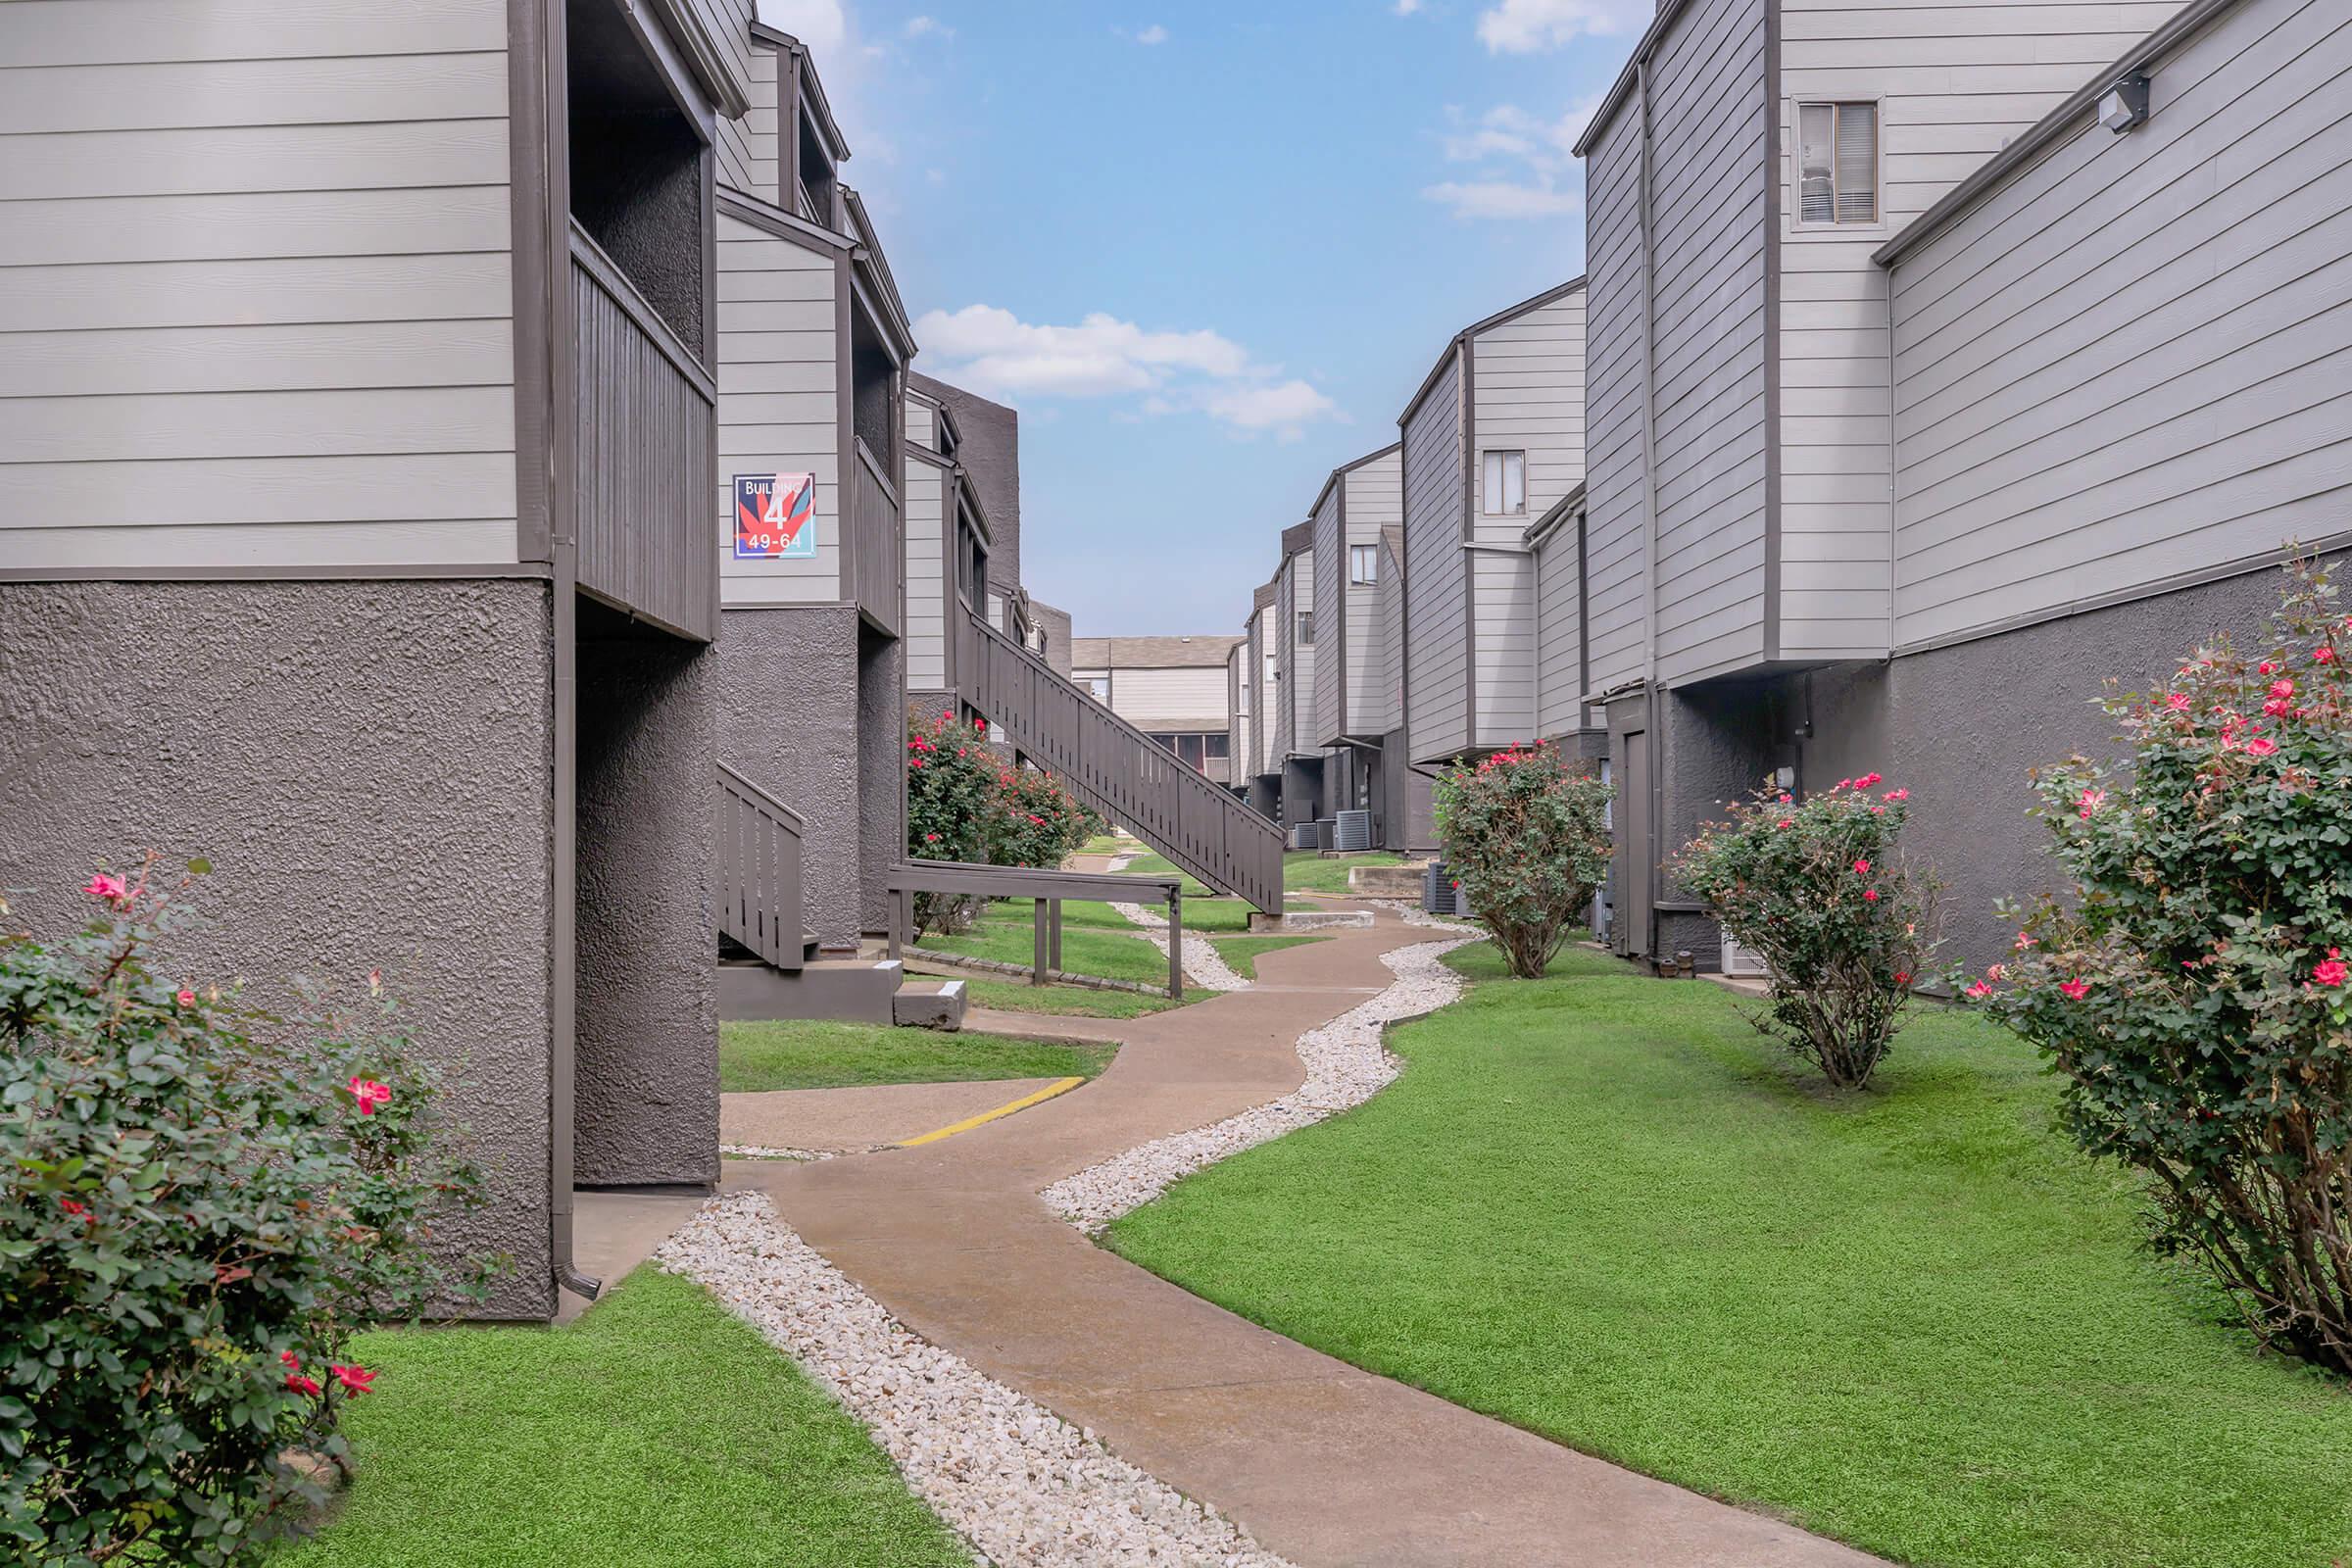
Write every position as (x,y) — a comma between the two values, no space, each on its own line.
(1263,598)
(885,287)
(1454,343)
(819,108)
(1150,653)
(1347,468)
(1568,506)
(1296,538)
(1614,98)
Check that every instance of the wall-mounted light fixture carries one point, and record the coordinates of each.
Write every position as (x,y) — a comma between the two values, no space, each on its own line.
(2126,104)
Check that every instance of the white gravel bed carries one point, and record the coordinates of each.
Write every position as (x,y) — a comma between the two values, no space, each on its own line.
(1203,964)
(1324,920)
(1414,914)
(1346,1065)
(1023,1486)
(773,1151)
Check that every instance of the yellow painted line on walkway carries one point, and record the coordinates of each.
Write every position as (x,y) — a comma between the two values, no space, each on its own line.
(1059,1086)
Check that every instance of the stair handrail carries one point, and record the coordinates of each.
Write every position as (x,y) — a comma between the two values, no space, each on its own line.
(1196,824)
(761,899)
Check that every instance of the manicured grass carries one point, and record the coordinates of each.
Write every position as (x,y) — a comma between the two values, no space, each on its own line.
(1241,953)
(1102,843)
(1159,866)
(658,1431)
(1606,1208)
(1305,871)
(810,1053)
(1074,1002)
(1008,935)
(1210,916)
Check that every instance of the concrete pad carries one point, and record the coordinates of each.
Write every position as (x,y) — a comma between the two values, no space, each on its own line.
(860,1118)
(612,1233)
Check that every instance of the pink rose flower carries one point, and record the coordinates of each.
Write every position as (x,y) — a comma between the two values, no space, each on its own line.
(1861,868)
(1980,990)
(2333,971)
(302,1384)
(1870,895)
(2076,990)
(109,888)
(185,997)
(356,1380)
(2261,746)
(371,1095)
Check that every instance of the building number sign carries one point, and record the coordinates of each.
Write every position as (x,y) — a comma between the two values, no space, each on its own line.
(775,516)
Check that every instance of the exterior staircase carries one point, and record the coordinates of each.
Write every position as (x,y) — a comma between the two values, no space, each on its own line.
(769,963)
(1110,765)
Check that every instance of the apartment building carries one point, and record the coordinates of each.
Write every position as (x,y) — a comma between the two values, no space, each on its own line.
(1173,689)
(1357,707)
(1944,361)
(355,531)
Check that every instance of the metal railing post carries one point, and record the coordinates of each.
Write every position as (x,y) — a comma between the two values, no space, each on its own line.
(1037,971)
(1176,941)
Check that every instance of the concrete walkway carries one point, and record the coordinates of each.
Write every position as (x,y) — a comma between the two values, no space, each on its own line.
(1321,1462)
(843,1120)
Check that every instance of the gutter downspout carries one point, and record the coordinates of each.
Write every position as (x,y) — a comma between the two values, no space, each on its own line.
(1655,710)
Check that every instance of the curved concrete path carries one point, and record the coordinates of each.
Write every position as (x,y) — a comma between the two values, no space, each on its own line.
(1323,1463)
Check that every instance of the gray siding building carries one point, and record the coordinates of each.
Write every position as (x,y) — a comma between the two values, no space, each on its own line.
(1925,395)
(396,333)
(1353,721)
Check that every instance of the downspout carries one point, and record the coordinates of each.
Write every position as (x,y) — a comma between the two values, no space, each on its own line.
(1654,708)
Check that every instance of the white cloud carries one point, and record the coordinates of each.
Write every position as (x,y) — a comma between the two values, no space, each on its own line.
(1526,164)
(1154,33)
(1407,7)
(928,28)
(818,23)
(994,351)
(1530,27)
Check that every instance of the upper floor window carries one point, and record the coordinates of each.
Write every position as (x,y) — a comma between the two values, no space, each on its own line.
(1502,485)
(1100,685)
(1307,628)
(1838,162)
(1363,563)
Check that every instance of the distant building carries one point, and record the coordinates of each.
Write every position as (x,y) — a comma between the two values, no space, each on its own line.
(1174,689)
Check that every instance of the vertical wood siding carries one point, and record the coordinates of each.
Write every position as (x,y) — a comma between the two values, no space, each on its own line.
(1618,566)
(2134,359)
(777,403)
(1528,394)
(1435,571)
(1707,268)
(254,259)
(1955,83)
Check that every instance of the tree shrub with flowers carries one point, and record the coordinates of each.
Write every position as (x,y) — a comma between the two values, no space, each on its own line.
(198,1205)
(2195,990)
(1820,888)
(966,801)
(1526,835)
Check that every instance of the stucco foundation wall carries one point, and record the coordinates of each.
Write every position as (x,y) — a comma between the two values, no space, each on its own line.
(1301,791)
(881,775)
(788,721)
(646,1085)
(368,767)
(1411,812)
(1960,726)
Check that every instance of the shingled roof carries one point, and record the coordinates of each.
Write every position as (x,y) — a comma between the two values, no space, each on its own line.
(1150,653)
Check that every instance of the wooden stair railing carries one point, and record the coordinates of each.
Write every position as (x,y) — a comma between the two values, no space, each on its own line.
(759,891)
(1116,768)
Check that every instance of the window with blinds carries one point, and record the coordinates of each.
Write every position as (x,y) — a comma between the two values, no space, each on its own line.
(1838,162)
(1502,485)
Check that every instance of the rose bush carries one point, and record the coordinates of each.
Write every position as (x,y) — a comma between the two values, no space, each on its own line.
(198,1205)
(1819,889)
(966,801)
(2193,987)
(1526,836)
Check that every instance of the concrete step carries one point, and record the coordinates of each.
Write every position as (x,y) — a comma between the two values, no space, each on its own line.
(929,1004)
(1386,881)
(855,990)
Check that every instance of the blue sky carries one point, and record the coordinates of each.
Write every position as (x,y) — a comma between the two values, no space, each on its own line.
(1206,249)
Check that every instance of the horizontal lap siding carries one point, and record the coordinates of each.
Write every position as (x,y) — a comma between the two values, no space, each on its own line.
(1957,83)
(1614,498)
(1299,723)
(1528,390)
(1187,698)
(256,262)
(777,403)
(1435,573)
(729,23)
(1708,193)
(1330,587)
(746,148)
(2134,360)
(1387,710)
(1375,500)
(926,650)
(1559,629)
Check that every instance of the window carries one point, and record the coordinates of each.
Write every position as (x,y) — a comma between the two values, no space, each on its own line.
(1307,628)
(1838,162)
(1100,685)
(1241,699)
(1218,747)
(1363,563)
(1503,485)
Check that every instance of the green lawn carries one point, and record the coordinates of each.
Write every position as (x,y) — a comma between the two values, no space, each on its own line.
(811,1054)
(658,1431)
(1208,916)
(1007,933)
(1159,866)
(1102,843)
(1073,1001)
(1305,871)
(1241,953)
(1606,1208)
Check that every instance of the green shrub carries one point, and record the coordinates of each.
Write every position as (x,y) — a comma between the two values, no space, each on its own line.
(1526,836)
(192,1220)
(966,801)
(2193,987)
(1819,889)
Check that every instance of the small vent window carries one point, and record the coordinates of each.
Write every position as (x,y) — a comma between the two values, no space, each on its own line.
(1838,162)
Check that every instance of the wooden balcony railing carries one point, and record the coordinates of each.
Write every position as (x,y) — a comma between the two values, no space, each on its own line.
(1116,768)
(877,543)
(760,901)
(644,453)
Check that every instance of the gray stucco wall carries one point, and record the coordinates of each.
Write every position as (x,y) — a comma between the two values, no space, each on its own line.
(1301,791)
(646,1029)
(367,765)
(788,721)
(1959,727)
(1412,807)
(881,775)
